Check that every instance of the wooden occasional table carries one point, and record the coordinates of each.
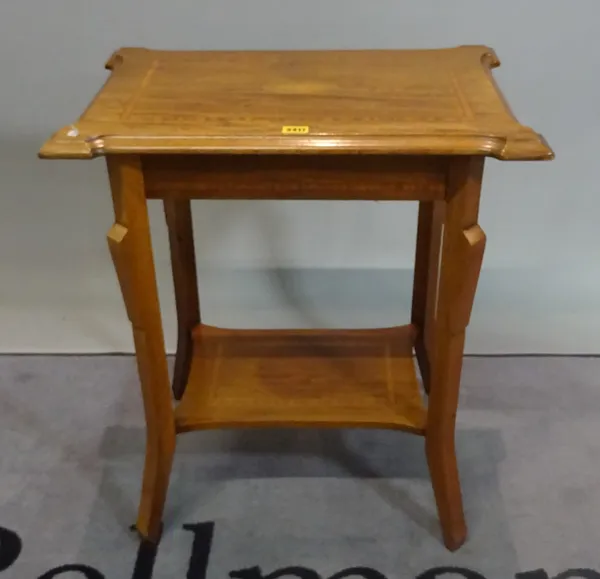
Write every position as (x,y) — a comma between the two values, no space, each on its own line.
(344,125)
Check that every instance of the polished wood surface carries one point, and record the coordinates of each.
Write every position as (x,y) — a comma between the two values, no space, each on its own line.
(396,125)
(370,177)
(425,284)
(435,102)
(334,378)
(178,215)
(131,249)
(462,253)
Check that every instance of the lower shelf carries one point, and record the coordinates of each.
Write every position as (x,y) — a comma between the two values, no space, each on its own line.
(341,378)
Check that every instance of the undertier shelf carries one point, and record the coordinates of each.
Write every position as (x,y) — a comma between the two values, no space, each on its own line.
(270,378)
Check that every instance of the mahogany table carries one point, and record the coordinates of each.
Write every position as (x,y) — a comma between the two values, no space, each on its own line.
(346,125)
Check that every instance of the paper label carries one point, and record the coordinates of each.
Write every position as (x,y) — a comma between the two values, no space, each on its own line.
(294,129)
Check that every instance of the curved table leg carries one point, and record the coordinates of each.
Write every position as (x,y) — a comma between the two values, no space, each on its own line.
(131,250)
(424,300)
(462,254)
(178,216)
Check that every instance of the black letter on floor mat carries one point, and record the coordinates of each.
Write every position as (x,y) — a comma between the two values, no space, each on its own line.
(255,573)
(576,573)
(535,574)
(10,548)
(441,571)
(305,573)
(87,572)
(569,574)
(144,563)
(365,572)
(203,534)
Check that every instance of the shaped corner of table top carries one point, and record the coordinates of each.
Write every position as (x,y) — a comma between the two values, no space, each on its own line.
(70,143)
(441,102)
(527,145)
(124,53)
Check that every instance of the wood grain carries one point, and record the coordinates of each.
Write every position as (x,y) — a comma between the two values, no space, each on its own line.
(178,214)
(425,284)
(469,250)
(319,378)
(301,177)
(462,251)
(434,102)
(131,248)
(346,125)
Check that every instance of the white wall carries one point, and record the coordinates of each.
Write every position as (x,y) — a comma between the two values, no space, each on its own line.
(346,264)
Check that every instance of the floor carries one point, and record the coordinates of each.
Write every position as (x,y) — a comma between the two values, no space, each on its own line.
(256,502)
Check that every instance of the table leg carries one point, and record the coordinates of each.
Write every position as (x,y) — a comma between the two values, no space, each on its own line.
(424,302)
(178,215)
(462,254)
(131,250)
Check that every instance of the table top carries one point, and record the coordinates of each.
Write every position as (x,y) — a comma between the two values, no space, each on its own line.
(438,102)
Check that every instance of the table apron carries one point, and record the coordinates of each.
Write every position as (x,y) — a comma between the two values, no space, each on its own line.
(307,177)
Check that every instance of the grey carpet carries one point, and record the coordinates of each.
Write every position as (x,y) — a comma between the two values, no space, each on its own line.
(71,449)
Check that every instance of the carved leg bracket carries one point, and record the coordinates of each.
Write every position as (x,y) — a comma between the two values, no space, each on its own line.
(469,257)
(118,246)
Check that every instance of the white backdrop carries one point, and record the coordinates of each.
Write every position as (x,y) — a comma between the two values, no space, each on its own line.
(345,264)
